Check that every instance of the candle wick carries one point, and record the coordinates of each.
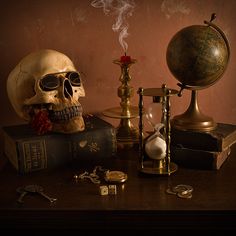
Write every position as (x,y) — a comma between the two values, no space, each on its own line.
(125,53)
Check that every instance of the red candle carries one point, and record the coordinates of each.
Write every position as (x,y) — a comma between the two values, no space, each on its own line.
(125,59)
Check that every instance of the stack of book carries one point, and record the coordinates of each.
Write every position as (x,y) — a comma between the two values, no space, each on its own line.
(29,152)
(202,150)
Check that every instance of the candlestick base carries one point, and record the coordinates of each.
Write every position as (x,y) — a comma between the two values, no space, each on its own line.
(117,112)
(127,135)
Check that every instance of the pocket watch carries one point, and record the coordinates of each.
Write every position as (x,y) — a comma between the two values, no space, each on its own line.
(115,176)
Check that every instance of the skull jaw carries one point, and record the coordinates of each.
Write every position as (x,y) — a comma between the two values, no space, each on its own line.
(72,126)
(44,119)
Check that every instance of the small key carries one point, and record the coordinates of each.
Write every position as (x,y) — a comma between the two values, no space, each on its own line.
(22,193)
(41,192)
(38,189)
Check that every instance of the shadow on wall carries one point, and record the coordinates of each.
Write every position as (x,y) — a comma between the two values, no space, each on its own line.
(93,35)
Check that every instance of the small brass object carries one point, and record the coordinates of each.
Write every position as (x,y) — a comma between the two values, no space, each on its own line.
(181,190)
(115,176)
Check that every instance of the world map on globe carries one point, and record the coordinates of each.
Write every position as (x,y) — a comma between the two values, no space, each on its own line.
(198,55)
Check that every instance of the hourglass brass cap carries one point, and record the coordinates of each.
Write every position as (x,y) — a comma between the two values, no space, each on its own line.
(159,92)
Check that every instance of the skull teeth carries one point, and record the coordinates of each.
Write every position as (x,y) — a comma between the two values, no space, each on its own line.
(66,114)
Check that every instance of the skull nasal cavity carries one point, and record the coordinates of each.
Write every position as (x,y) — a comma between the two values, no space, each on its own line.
(68,91)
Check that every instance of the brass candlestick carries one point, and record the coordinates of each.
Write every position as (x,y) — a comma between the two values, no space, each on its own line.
(127,134)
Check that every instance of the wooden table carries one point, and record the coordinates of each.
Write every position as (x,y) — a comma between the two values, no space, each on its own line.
(141,204)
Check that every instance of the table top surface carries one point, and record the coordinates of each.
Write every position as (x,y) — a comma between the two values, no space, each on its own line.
(214,193)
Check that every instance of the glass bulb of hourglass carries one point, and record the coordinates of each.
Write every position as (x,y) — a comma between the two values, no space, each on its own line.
(154,114)
(155,146)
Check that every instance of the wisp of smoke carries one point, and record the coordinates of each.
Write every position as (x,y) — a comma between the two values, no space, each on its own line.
(122,9)
(169,7)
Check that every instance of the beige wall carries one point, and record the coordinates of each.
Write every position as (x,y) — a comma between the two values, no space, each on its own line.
(85,34)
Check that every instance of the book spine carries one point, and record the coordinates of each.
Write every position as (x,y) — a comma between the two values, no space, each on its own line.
(51,151)
(196,140)
(10,150)
(199,159)
(217,140)
(32,155)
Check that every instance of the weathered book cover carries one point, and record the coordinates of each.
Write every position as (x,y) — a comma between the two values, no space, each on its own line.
(30,152)
(216,140)
(199,159)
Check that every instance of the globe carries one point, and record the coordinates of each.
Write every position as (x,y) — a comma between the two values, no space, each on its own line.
(198,55)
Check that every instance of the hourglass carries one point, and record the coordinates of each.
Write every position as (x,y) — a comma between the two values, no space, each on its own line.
(154,148)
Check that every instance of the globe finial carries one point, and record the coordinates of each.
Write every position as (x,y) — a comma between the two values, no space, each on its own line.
(213,16)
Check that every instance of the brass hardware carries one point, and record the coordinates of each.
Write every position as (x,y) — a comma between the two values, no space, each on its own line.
(193,118)
(147,165)
(115,176)
(127,134)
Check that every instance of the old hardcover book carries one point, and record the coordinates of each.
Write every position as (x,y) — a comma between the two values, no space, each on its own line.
(216,140)
(30,152)
(199,159)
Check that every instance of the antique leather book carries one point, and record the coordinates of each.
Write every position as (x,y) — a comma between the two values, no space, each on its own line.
(199,159)
(216,140)
(30,152)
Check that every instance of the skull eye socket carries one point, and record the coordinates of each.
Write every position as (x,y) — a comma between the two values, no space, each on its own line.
(49,82)
(74,78)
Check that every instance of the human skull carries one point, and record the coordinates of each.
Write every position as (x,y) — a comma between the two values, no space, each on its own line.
(47,81)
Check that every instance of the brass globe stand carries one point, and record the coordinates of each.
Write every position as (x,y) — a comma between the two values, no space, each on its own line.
(193,118)
(126,133)
(162,166)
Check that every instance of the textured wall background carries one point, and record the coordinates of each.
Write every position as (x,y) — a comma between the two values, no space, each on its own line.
(84,33)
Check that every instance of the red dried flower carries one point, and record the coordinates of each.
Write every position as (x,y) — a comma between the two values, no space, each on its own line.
(41,122)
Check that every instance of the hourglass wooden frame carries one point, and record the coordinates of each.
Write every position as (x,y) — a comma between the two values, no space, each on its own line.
(147,165)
